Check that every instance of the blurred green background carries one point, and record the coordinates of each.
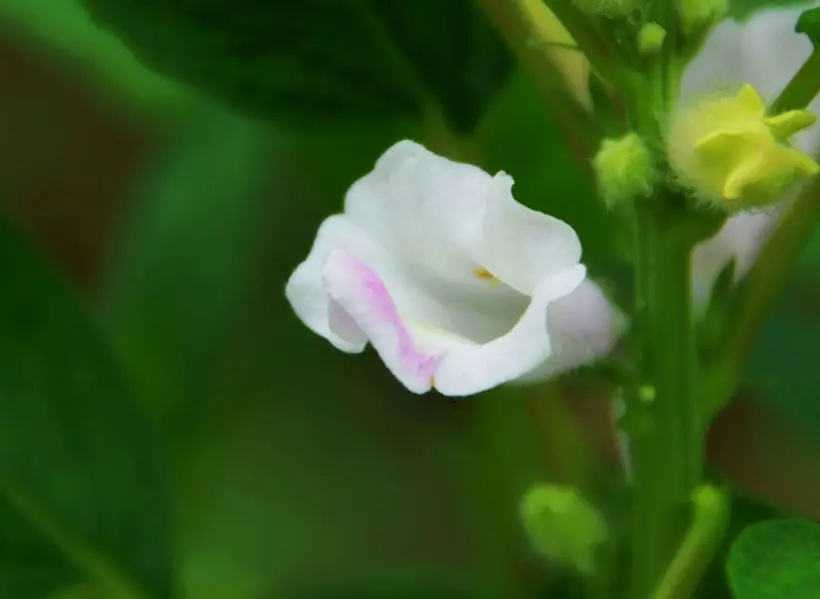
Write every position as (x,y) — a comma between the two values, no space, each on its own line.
(173,223)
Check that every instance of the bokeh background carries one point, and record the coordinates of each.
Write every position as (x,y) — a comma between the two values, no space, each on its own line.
(177,221)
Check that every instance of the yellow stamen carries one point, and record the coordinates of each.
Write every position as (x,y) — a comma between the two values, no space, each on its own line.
(485,275)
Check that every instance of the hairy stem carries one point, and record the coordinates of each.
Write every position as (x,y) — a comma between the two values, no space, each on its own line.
(667,447)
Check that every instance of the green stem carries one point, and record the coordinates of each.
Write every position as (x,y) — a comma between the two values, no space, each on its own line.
(803,87)
(667,450)
(710,514)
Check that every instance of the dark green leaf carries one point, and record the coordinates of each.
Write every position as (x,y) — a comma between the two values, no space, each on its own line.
(809,24)
(776,559)
(77,460)
(307,60)
(742,9)
(783,364)
(187,255)
(30,566)
(391,590)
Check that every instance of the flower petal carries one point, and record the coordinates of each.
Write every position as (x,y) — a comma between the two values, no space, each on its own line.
(361,293)
(306,291)
(467,369)
(520,246)
(423,208)
(583,327)
(740,238)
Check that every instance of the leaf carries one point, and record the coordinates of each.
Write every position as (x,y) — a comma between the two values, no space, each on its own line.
(78,462)
(743,9)
(783,364)
(809,24)
(29,565)
(314,61)
(776,559)
(392,590)
(188,252)
(63,25)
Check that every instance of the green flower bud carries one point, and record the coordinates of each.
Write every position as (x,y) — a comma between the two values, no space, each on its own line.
(563,526)
(650,38)
(701,15)
(625,169)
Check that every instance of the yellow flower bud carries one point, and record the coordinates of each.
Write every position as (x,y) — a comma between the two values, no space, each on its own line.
(625,169)
(650,38)
(731,153)
(562,526)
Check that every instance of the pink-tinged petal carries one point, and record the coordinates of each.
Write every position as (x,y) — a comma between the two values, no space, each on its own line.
(361,293)
(306,291)
(469,369)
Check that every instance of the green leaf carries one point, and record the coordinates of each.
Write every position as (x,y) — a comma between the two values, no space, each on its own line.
(29,565)
(776,559)
(743,9)
(783,364)
(64,26)
(809,24)
(307,61)
(189,251)
(392,590)
(78,461)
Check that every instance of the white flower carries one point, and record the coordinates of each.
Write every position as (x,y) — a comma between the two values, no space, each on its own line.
(455,284)
(741,239)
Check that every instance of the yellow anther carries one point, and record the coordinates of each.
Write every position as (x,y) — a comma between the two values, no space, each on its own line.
(485,275)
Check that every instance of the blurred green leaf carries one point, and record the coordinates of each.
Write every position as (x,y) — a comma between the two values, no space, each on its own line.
(187,253)
(77,460)
(784,366)
(313,61)
(29,565)
(743,9)
(414,589)
(809,24)
(776,559)
(64,26)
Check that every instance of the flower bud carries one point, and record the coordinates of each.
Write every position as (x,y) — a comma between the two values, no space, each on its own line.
(625,169)
(735,156)
(650,38)
(563,526)
(701,15)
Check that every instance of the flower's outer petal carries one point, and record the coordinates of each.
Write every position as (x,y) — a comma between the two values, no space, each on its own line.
(361,293)
(583,327)
(423,208)
(520,246)
(740,238)
(305,290)
(467,369)
(764,51)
